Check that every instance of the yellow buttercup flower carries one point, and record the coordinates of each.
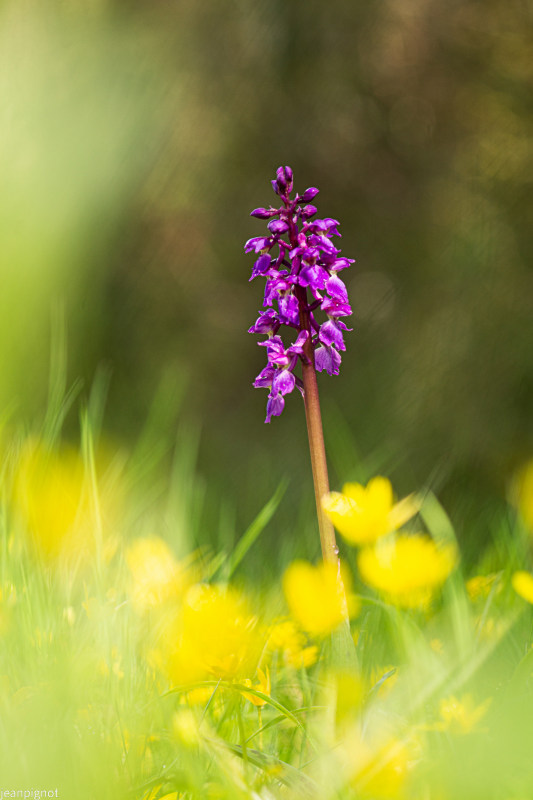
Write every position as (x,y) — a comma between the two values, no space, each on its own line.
(406,569)
(156,575)
(362,514)
(461,716)
(53,497)
(49,494)
(263,686)
(292,643)
(212,635)
(380,770)
(522,583)
(479,586)
(315,596)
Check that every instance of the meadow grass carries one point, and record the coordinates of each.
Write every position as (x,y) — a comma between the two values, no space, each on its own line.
(140,661)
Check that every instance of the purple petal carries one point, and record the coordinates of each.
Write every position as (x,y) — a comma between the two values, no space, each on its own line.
(267,322)
(276,353)
(264,213)
(298,346)
(332,226)
(330,334)
(335,308)
(308,211)
(283,382)
(277,226)
(340,263)
(327,359)
(261,266)
(265,377)
(275,406)
(336,288)
(278,283)
(323,243)
(318,226)
(284,179)
(315,277)
(288,309)
(258,243)
(308,195)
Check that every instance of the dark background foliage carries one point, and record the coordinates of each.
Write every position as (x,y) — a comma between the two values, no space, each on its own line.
(415,120)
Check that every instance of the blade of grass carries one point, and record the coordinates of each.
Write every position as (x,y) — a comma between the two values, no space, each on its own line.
(255,529)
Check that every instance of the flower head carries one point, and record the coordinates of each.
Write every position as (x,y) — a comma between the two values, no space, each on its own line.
(315,597)
(522,583)
(214,634)
(461,716)
(406,569)
(364,513)
(297,257)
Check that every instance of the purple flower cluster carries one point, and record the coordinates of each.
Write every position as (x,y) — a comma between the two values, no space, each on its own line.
(300,264)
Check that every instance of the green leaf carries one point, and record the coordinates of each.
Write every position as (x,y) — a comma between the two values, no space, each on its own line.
(255,529)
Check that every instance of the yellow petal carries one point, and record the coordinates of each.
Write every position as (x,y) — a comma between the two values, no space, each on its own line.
(314,596)
(522,583)
(379,492)
(406,569)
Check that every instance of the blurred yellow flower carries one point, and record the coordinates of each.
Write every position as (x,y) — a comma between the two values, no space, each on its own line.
(522,583)
(156,575)
(49,495)
(315,596)
(406,569)
(380,770)
(263,686)
(52,496)
(363,514)
(461,716)
(480,586)
(287,638)
(213,634)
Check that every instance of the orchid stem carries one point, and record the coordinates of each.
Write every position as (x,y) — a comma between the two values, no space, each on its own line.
(315,434)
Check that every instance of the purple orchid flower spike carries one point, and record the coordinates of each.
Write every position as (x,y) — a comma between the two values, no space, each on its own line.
(300,264)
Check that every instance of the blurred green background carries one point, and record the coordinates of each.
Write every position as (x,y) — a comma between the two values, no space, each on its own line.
(135,138)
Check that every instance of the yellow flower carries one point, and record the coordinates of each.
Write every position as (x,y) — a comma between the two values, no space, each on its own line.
(363,514)
(380,770)
(263,686)
(287,638)
(406,569)
(49,495)
(156,575)
(212,635)
(522,583)
(53,497)
(480,586)
(315,596)
(461,716)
